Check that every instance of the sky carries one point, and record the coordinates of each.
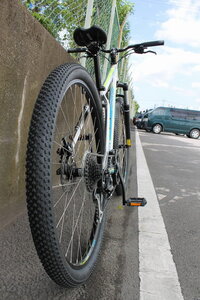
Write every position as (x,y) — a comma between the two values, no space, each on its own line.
(172,77)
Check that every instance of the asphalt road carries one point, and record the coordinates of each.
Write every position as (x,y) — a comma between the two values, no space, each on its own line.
(173,163)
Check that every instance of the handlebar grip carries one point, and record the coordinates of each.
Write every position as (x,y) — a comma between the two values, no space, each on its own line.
(76,50)
(153,43)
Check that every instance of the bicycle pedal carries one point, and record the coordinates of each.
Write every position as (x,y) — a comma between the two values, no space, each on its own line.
(136,202)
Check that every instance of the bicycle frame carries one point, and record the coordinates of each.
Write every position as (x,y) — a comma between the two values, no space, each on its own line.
(93,39)
(110,82)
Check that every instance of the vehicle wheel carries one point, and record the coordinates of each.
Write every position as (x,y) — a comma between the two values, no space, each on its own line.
(120,143)
(65,138)
(194,133)
(157,128)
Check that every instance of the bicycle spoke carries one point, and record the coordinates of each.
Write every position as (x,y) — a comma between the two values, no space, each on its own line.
(64,116)
(73,221)
(59,199)
(61,231)
(79,237)
(62,185)
(87,121)
(59,144)
(74,229)
(69,202)
(74,103)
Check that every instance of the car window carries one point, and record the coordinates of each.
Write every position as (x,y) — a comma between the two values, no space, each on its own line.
(139,116)
(192,115)
(178,114)
(159,111)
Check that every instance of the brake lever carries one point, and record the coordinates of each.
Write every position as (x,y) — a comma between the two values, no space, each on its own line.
(140,50)
(150,51)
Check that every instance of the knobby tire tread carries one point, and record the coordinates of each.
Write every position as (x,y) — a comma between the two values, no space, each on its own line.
(38,174)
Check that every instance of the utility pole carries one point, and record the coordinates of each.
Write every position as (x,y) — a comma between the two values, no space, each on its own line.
(109,36)
(87,24)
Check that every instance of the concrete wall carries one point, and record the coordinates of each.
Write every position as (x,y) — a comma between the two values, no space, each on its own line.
(28,53)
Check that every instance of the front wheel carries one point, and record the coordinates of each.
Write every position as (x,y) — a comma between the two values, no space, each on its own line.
(157,128)
(120,143)
(66,141)
(194,133)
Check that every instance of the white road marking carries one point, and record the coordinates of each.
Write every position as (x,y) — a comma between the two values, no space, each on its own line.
(191,146)
(157,270)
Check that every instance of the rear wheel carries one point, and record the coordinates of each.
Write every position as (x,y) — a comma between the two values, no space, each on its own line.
(120,144)
(194,133)
(157,128)
(63,170)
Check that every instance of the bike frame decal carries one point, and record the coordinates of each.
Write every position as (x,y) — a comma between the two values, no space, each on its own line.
(109,77)
(110,82)
(112,101)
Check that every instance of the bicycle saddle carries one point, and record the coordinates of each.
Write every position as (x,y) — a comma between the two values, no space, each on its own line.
(84,37)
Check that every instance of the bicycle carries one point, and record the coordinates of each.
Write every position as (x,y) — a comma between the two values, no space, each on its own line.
(77,156)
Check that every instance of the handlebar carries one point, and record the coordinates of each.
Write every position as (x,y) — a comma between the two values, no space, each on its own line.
(138,48)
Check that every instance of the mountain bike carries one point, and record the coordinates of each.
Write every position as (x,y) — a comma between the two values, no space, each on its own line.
(77,157)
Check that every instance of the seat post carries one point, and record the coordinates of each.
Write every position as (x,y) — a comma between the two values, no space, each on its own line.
(97,72)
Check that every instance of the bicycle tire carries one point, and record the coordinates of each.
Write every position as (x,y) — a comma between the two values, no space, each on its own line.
(120,140)
(44,179)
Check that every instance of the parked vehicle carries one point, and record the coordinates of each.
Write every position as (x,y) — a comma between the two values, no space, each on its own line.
(178,121)
(137,119)
(144,119)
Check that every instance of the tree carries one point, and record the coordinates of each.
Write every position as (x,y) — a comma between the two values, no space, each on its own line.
(125,8)
(133,103)
(136,106)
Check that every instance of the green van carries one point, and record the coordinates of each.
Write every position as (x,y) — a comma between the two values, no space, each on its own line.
(178,121)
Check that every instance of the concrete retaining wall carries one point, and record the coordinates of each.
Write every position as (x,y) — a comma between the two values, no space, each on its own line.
(28,53)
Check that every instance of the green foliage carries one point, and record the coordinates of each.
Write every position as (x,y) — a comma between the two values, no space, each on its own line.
(64,16)
(47,23)
(58,16)
(124,8)
(125,36)
(136,105)
(101,13)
